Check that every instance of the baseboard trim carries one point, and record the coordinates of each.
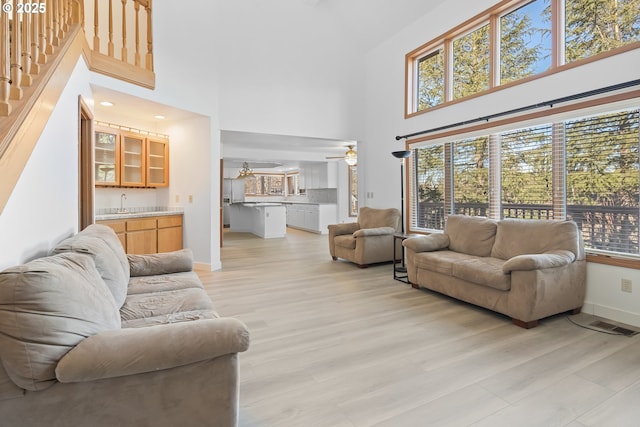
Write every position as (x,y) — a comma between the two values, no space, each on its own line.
(632,319)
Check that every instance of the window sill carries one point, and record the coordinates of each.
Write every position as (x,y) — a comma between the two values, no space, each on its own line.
(614,261)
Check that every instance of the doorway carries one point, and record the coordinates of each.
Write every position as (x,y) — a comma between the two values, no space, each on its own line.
(85,165)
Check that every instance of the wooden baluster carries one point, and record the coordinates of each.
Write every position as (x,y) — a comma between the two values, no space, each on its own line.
(5,107)
(149,56)
(61,23)
(66,15)
(35,53)
(16,47)
(110,29)
(25,50)
(42,36)
(136,6)
(96,27)
(54,40)
(124,31)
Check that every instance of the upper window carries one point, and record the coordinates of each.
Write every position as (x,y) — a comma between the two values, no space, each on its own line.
(431,80)
(471,63)
(596,26)
(463,62)
(525,41)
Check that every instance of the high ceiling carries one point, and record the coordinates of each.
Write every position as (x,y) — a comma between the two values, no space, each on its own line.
(367,22)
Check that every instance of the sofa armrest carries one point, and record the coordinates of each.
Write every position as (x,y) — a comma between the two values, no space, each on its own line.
(341,229)
(378,231)
(551,259)
(432,242)
(133,351)
(162,263)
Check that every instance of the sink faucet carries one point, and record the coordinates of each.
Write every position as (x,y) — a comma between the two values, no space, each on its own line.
(123,197)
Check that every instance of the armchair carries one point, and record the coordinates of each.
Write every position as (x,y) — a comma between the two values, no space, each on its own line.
(368,241)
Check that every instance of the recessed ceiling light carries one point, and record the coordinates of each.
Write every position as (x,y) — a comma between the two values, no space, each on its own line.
(106,104)
(159,116)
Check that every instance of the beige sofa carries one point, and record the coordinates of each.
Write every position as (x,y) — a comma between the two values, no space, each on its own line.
(92,337)
(368,241)
(525,269)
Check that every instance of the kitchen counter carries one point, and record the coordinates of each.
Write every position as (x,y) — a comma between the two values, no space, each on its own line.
(266,220)
(141,214)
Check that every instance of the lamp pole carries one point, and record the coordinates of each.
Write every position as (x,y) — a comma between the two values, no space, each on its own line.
(401,155)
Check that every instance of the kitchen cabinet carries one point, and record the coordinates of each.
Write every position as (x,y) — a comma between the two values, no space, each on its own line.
(311,216)
(320,175)
(107,158)
(148,235)
(157,163)
(132,160)
(127,159)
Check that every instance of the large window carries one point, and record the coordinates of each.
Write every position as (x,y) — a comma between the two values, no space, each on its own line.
(586,169)
(463,62)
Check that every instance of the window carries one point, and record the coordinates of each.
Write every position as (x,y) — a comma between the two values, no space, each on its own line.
(603,180)
(462,63)
(526,173)
(431,80)
(471,63)
(427,184)
(353,190)
(586,169)
(596,26)
(525,41)
(264,185)
(471,176)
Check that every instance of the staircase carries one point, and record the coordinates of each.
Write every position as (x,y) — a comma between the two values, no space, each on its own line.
(40,44)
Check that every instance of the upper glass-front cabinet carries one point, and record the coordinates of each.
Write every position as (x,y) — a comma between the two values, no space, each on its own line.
(107,162)
(132,168)
(157,163)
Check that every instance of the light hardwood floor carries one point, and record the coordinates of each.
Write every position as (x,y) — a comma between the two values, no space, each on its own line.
(333,345)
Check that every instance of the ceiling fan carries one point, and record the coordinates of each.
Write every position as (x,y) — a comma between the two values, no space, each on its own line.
(350,156)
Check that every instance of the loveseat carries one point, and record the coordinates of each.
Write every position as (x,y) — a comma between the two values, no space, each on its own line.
(525,269)
(92,337)
(367,241)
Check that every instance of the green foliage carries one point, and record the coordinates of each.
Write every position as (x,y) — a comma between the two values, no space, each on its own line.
(596,26)
(471,63)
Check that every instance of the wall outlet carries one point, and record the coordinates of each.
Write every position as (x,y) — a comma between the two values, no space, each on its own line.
(190,198)
(626,285)
(177,198)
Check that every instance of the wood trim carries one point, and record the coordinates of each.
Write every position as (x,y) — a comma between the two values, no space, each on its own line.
(85,165)
(29,118)
(614,261)
(112,67)
(489,15)
(530,116)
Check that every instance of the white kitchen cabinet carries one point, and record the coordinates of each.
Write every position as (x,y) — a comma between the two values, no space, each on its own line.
(311,216)
(320,175)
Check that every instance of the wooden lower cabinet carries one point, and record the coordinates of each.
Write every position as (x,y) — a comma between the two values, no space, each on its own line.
(148,235)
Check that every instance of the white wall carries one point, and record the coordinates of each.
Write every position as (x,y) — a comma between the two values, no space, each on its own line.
(287,68)
(43,208)
(384,117)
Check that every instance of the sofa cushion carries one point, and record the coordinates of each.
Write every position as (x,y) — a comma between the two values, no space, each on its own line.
(439,261)
(374,218)
(345,241)
(48,306)
(162,263)
(164,282)
(484,271)
(471,235)
(111,261)
(166,304)
(530,236)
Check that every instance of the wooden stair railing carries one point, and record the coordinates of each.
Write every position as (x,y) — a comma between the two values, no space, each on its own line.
(40,44)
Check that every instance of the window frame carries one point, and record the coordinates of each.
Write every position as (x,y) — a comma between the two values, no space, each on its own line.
(492,17)
(603,104)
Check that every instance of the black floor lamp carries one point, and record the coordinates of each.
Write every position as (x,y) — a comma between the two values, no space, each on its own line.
(401,155)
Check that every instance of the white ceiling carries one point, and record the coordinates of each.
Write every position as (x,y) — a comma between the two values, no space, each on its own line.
(369,22)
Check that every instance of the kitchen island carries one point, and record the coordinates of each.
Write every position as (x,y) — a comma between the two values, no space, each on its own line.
(266,220)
